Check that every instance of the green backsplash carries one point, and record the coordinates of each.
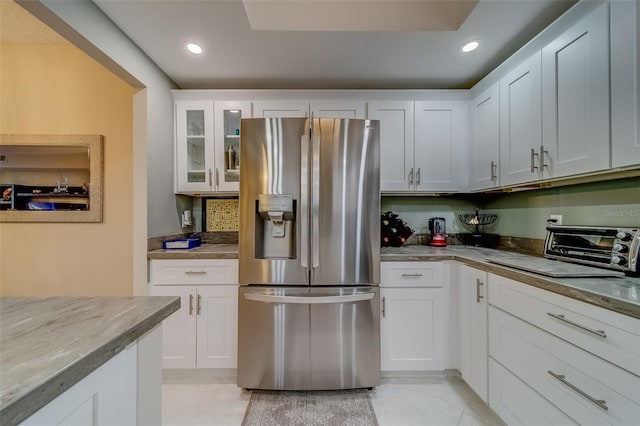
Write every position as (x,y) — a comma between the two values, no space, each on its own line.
(524,214)
(609,203)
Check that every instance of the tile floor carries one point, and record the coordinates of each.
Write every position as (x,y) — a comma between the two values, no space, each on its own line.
(402,401)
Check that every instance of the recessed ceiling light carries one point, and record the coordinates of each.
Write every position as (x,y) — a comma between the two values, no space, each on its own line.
(194,48)
(470,47)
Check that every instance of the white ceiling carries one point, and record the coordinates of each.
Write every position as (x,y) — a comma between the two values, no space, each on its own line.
(235,56)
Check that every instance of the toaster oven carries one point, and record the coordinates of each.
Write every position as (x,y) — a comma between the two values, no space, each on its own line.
(612,248)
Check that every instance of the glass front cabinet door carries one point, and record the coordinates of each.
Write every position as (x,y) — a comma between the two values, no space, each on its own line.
(194,147)
(227,143)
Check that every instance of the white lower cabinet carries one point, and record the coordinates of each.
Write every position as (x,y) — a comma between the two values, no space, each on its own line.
(204,332)
(517,404)
(125,390)
(568,352)
(107,396)
(472,320)
(412,316)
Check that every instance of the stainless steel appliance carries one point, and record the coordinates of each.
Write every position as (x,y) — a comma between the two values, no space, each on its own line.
(438,229)
(606,247)
(308,309)
(583,251)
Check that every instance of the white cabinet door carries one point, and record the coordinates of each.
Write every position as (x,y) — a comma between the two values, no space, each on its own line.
(217,310)
(441,140)
(521,123)
(625,83)
(473,328)
(484,152)
(412,329)
(396,144)
(107,396)
(575,97)
(268,109)
(194,142)
(179,329)
(338,109)
(227,137)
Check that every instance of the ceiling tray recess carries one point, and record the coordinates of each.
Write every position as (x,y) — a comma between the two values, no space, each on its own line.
(554,268)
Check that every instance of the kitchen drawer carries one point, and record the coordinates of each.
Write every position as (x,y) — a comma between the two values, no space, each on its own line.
(517,404)
(535,356)
(412,274)
(194,271)
(552,312)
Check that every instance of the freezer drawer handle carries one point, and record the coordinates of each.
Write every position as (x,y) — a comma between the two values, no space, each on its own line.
(195,272)
(411,275)
(268,298)
(561,317)
(562,379)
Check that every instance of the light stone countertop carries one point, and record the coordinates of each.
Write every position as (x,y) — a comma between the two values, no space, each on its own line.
(619,294)
(205,251)
(49,344)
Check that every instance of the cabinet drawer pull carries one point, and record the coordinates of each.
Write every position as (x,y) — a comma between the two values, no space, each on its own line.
(561,317)
(543,152)
(478,295)
(411,275)
(191,304)
(198,305)
(533,160)
(562,379)
(195,272)
(384,312)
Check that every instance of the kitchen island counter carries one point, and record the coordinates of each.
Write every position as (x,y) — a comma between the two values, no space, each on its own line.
(49,344)
(619,294)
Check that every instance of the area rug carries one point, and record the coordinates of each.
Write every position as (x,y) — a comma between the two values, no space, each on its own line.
(335,408)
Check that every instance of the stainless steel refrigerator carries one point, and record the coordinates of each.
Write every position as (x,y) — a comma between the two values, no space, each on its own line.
(308,305)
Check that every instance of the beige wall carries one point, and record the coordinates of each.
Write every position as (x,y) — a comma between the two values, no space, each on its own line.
(57,89)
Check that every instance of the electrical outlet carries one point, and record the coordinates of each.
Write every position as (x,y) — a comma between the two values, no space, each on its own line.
(557,218)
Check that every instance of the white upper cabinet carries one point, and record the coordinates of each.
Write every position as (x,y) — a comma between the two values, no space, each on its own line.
(319,109)
(521,123)
(227,143)
(441,138)
(269,109)
(338,109)
(625,83)
(484,152)
(396,144)
(194,144)
(575,98)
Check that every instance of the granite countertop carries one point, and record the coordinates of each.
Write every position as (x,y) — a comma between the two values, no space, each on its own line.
(619,294)
(49,344)
(205,251)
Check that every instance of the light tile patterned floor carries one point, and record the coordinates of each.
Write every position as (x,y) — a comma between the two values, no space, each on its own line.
(402,401)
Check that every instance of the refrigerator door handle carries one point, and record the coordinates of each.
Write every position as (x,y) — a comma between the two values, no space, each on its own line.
(304,201)
(268,298)
(315,203)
